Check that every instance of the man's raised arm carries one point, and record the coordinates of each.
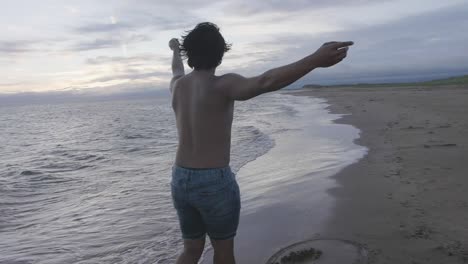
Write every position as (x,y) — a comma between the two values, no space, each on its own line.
(238,87)
(177,64)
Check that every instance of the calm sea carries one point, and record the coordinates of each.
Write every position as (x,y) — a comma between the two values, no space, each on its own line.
(89,182)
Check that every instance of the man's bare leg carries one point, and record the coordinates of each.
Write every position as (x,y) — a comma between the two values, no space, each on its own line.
(193,250)
(223,251)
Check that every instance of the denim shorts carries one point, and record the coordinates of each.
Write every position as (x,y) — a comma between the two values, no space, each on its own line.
(207,202)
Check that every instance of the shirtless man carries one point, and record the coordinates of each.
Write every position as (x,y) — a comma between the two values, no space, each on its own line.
(204,190)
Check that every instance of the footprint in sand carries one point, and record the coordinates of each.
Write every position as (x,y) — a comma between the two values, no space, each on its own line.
(422,232)
(454,248)
(445,126)
(414,127)
(440,145)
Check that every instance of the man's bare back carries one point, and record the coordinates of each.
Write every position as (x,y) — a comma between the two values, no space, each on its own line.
(204,120)
(203,103)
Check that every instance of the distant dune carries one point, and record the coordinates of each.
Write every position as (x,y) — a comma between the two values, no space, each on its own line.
(458,80)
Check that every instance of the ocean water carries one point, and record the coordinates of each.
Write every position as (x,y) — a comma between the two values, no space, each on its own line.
(89,182)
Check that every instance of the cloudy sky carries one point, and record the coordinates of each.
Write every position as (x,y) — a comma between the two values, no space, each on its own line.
(109,46)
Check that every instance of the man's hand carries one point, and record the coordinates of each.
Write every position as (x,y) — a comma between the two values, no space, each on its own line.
(174,44)
(177,64)
(331,53)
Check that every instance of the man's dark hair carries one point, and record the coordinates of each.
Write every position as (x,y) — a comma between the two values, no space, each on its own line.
(204,46)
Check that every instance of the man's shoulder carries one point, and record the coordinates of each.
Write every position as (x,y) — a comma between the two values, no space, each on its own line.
(230,75)
(228,78)
(180,80)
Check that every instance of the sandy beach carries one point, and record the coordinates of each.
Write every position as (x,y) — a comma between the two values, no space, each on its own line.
(406,201)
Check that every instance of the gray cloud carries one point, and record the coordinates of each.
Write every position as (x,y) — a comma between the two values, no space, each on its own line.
(247,7)
(96,44)
(109,42)
(12,50)
(430,44)
(149,16)
(170,22)
(138,67)
(137,60)
(14,47)
(101,27)
(131,75)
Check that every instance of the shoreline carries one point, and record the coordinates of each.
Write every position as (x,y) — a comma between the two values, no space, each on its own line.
(405,201)
(284,190)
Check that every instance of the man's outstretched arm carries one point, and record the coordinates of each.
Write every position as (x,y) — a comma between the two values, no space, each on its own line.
(177,64)
(238,87)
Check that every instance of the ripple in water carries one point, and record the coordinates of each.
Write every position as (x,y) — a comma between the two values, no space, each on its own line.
(89,182)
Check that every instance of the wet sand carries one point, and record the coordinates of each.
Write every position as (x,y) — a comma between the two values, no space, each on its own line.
(407,200)
(284,192)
